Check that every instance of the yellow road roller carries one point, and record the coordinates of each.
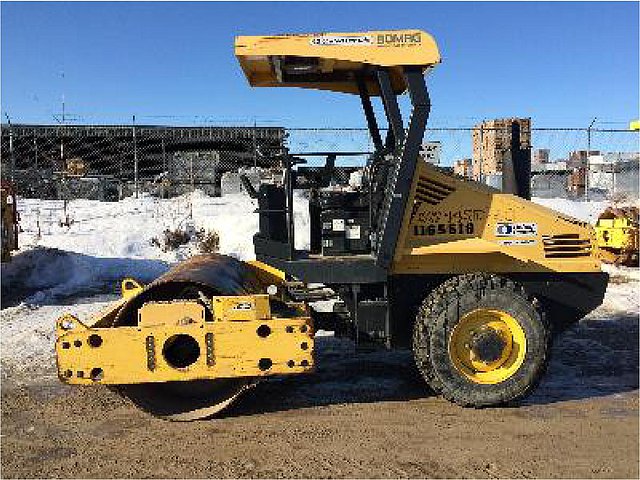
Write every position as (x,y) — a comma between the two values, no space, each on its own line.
(618,235)
(475,281)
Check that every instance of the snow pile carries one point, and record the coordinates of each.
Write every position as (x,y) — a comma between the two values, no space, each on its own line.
(124,229)
(581,210)
(28,337)
(585,211)
(47,275)
(105,242)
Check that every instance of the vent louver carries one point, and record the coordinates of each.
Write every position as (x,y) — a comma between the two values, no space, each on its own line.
(431,191)
(568,245)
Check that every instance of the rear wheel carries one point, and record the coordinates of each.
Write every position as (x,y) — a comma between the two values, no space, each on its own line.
(480,340)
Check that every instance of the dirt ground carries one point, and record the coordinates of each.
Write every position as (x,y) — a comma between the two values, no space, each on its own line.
(361,415)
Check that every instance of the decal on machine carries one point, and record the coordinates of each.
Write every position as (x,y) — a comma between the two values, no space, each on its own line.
(447,222)
(353,232)
(385,39)
(342,41)
(516,229)
(338,225)
(243,306)
(517,242)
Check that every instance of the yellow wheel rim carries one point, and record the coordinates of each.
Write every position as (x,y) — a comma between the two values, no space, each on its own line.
(487,346)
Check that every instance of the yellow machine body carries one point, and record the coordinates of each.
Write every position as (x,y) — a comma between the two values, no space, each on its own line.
(454,225)
(242,339)
(328,61)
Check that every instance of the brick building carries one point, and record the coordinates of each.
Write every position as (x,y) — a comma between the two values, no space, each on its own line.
(463,167)
(492,141)
(540,156)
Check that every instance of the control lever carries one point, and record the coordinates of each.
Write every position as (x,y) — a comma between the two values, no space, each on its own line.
(327,171)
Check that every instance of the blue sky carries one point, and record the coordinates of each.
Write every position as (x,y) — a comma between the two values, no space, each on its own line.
(173,63)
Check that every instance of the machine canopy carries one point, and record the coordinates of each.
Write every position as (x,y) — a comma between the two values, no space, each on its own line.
(334,61)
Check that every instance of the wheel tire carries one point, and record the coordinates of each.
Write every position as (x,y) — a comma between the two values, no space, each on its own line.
(443,309)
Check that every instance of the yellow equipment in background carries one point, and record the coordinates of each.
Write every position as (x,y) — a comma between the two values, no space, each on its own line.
(474,281)
(618,233)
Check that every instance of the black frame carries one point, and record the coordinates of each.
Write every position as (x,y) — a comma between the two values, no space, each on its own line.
(403,146)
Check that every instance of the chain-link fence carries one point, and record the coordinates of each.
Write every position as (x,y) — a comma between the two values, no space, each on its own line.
(111,162)
(565,162)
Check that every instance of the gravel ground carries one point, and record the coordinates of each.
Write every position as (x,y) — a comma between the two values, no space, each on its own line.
(360,415)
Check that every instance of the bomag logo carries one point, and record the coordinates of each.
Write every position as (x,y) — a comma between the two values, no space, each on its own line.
(398,38)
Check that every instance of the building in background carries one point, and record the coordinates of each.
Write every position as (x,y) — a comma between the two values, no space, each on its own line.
(579,158)
(492,142)
(615,174)
(549,179)
(540,156)
(463,167)
(577,164)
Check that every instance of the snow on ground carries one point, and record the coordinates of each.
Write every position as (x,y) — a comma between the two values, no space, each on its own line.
(106,242)
(73,268)
(585,211)
(582,210)
(124,229)
(27,339)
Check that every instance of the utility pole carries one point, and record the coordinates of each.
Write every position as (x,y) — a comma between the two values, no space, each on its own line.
(588,167)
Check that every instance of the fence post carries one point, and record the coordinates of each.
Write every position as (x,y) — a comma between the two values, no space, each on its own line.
(164,157)
(613,176)
(480,179)
(135,159)
(12,158)
(35,149)
(255,146)
(588,167)
(191,171)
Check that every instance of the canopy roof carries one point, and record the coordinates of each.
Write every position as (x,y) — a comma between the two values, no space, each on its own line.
(332,61)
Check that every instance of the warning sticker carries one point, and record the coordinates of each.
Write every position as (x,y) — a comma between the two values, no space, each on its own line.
(338,224)
(517,242)
(353,232)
